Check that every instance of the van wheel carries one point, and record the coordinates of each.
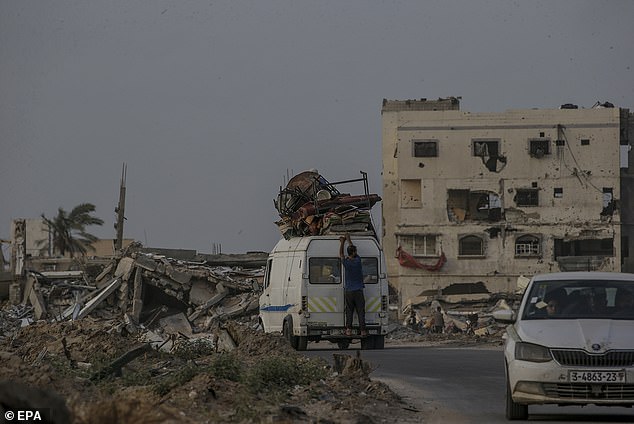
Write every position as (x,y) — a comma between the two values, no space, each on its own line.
(367,342)
(302,343)
(379,342)
(287,332)
(343,344)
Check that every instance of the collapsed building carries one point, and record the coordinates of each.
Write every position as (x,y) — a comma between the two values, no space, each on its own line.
(144,291)
(475,201)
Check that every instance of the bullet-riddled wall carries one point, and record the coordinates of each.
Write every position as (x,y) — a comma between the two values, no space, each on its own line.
(498,194)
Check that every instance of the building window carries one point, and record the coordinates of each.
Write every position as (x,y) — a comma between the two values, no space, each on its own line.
(471,246)
(539,148)
(465,205)
(585,142)
(558,193)
(419,244)
(527,197)
(411,194)
(486,148)
(424,148)
(527,245)
(489,152)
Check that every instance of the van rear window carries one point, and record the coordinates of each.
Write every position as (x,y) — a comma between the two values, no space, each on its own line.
(324,271)
(370,270)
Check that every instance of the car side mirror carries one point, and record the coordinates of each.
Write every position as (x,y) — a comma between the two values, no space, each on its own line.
(504,315)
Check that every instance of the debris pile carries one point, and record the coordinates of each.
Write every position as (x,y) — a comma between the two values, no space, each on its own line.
(309,205)
(144,289)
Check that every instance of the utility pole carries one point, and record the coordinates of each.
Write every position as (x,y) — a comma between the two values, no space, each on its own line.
(120,211)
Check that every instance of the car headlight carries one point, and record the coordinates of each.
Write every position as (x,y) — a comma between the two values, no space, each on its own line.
(532,352)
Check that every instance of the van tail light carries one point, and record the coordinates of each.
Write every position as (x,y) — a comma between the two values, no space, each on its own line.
(305,303)
(384,303)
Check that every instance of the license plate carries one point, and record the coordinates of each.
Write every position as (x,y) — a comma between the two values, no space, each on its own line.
(596,376)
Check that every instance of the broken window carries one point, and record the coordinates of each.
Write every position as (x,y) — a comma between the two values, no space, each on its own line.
(324,270)
(585,142)
(584,247)
(608,201)
(527,197)
(419,244)
(539,148)
(558,192)
(424,148)
(411,194)
(466,205)
(471,246)
(267,278)
(527,245)
(489,152)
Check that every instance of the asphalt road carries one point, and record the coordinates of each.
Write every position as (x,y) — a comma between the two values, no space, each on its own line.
(461,385)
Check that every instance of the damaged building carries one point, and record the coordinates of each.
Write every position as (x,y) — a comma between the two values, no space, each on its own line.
(485,198)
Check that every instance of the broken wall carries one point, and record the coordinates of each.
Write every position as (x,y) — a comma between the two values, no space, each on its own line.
(577,163)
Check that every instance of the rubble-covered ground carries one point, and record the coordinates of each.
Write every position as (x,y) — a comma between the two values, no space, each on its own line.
(150,339)
(261,380)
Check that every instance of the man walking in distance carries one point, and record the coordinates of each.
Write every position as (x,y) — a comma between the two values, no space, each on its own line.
(353,285)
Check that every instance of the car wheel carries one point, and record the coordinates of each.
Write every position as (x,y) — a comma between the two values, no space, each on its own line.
(514,411)
(343,345)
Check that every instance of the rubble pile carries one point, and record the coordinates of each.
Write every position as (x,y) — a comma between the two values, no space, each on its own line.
(309,205)
(96,371)
(144,288)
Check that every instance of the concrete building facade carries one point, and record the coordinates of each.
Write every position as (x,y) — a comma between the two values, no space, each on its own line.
(480,199)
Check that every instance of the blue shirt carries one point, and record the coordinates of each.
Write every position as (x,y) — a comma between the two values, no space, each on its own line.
(354,274)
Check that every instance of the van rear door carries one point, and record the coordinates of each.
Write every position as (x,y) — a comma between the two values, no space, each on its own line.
(324,294)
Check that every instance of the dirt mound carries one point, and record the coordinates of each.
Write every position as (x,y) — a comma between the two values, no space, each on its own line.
(88,365)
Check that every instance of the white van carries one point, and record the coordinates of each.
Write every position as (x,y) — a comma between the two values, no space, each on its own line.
(303,294)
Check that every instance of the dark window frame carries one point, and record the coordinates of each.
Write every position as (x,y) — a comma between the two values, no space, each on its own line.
(425,148)
(469,251)
(539,147)
(526,197)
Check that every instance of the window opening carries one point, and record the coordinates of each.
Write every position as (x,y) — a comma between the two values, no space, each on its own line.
(425,148)
(465,205)
(419,244)
(527,245)
(471,246)
(558,192)
(489,152)
(527,197)
(539,148)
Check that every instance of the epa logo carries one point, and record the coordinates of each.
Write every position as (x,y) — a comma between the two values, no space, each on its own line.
(23,416)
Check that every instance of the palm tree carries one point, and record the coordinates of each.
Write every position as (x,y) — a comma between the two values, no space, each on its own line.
(69,229)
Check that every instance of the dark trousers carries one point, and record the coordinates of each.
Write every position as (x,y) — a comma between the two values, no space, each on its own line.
(355,301)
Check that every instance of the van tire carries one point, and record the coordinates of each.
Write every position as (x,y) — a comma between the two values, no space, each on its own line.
(367,343)
(343,344)
(379,342)
(287,332)
(302,343)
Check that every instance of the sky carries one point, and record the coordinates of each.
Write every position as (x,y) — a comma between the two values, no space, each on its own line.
(211,104)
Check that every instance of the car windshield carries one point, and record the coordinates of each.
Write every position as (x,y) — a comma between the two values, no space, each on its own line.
(592,299)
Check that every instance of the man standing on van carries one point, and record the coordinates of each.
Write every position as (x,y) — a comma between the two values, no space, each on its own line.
(353,285)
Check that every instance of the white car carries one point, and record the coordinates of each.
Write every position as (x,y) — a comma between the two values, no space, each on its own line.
(571,342)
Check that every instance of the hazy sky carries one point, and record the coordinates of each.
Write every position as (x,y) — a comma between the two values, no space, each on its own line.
(211,102)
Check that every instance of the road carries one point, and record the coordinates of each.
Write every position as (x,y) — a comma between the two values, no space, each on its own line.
(461,385)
